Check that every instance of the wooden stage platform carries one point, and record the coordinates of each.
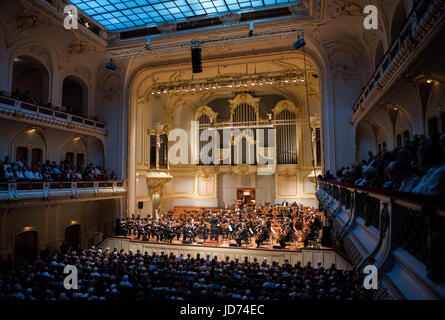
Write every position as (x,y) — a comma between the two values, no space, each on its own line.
(325,256)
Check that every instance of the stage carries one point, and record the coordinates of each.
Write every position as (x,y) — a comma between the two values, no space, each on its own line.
(325,256)
(293,246)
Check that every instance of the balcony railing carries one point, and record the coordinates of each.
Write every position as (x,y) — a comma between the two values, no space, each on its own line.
(397,232)
(16,107)
(11,192)
(421,19)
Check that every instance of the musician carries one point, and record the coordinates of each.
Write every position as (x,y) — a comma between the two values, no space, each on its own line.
(242,235)
(263,234)
(213,228)
(203,230)
(285,203)
(188,233)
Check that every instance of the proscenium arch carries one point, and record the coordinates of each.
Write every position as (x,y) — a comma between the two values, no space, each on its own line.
(139,84)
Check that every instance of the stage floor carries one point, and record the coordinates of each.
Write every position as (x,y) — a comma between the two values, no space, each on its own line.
(294,246)
(324,256)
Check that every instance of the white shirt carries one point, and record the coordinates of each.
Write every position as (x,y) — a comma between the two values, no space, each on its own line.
(409,183)
(433,182)
(37,176)
(29,174)
(9,175)
(19,175)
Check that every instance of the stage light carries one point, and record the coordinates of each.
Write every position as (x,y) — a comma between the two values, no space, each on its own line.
(110,65)
(196,57)
(299,43)
(429,81)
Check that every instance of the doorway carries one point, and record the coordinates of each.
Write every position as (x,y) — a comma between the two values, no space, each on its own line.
(26,246)
(246,196)
(72,236)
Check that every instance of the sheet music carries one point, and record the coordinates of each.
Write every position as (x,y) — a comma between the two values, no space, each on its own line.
(230,227)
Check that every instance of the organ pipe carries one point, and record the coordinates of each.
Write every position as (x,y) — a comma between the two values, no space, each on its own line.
(287,144)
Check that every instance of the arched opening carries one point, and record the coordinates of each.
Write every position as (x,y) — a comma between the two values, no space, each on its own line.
(72,236)
(74,96)
(433,127)
(30,80)
(378,54)
(29,147)
(74,152)
(398,20)
(26,246)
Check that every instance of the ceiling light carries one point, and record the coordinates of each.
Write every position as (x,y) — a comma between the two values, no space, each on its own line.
(429,81)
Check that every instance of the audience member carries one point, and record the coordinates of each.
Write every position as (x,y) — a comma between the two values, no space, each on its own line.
(418,167)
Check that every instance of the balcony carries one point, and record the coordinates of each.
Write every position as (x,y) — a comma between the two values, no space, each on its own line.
(402,234)
(423,22)
(12,193)
(13,109)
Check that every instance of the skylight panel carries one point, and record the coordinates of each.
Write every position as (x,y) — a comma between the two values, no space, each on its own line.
(123,14)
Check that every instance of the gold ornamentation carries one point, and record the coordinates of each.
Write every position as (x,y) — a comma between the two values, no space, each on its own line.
(76,48)
(26,22)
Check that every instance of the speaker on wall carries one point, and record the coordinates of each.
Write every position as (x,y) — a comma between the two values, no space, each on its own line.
(196,58)
(140,205)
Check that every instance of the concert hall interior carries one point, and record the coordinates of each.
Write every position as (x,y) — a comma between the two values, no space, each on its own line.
(237,149)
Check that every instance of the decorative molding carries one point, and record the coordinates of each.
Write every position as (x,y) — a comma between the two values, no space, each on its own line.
(207,111)
(244,98)
(285,105)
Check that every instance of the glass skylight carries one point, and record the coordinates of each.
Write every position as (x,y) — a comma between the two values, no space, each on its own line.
(127,14)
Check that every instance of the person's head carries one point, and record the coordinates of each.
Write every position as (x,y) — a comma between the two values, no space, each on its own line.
(429,155)
(400,170)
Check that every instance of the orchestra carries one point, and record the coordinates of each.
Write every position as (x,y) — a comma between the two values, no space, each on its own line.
(239,224)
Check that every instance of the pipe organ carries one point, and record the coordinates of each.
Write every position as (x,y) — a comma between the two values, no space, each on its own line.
(287,138)
(238,136)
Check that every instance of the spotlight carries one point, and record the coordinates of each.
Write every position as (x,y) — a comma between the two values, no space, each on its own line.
(299,43)
(196,57)
(110,65)
(429,81)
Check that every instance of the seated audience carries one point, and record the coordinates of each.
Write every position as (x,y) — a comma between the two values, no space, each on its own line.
(118,275)
(418,167)
(51,171)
